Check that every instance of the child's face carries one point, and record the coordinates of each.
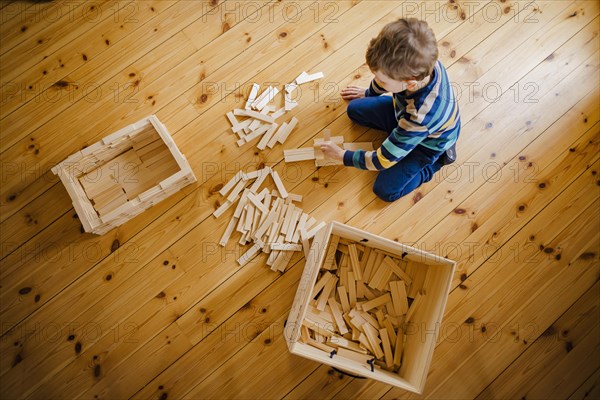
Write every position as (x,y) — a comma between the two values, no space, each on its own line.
(392,85)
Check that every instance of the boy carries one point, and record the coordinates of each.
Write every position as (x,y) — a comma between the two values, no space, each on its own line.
(422,116)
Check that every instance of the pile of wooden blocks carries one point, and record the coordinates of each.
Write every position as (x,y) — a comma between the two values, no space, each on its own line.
(361,303)
(268,219)
(258,117)
(123,174)
(315,152)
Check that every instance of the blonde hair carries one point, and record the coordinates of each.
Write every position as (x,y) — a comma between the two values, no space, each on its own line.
(404,49)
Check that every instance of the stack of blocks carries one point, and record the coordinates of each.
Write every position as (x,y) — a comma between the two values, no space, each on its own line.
(315,152)
(268,219)
(259,117)
(124,174)
(369,306)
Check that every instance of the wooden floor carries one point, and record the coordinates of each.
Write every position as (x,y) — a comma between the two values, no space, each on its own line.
(155,310)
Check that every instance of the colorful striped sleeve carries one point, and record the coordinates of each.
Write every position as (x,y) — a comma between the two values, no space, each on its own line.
(401,141)
(375,89)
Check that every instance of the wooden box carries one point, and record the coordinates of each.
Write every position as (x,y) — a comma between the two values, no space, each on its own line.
(122,175)
(430,283)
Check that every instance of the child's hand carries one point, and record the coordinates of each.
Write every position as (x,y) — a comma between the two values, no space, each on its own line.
(332,151)
(353,92)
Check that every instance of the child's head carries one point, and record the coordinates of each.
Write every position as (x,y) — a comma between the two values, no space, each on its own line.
(405,50)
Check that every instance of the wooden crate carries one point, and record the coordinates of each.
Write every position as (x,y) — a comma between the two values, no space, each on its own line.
(123,174)
(410,367)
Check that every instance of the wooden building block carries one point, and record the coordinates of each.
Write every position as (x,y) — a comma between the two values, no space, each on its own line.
(313,231)
(396,270)
(252,95)
(295,197)
(321,330)
(343,295)
(262,175)
(282,136)
(351,289)
(377,302)
(228,231)
(290,87)
(325,277)
(278,113)
(305,77)
(224,207)
(413,307)
(259,116)
(398,348)
(267,137)
(257,203)
(292,225)
(295,155)
(248,255)
(419,275)
(258,132)
(327,290)
(286,247)
(391,332)
(279,184)
(399,298)
(233,195)
(336,311)
(372,335)
(275,136)
(387,348)
(290,104)
(354,261)
(262,100)
(231,184)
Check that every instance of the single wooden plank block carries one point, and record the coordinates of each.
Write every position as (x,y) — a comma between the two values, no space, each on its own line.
(295,155)
(230,185)
(387,348)
(279,184)
(228,231)
(290,104)
(343,298)
(372,335)
(321,284)
(305,77)
(414,306)
(315,327)
(252,96)
(224,207)
(259,116)
(336,311)
(327,291)
(247,256)
(398,348)
(377,302)
(282,136)
(399,299)
(262,175)
(267,137)
(351,289)
(354,261)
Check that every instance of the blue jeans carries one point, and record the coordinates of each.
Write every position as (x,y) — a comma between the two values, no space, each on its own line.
(409,173)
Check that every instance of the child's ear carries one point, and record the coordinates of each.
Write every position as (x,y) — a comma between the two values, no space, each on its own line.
(412,85)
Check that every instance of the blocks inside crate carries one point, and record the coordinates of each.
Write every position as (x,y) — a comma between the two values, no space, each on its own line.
(369,306)
(122,175)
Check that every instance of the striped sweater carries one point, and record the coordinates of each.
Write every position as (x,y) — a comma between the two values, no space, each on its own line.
(428,117)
